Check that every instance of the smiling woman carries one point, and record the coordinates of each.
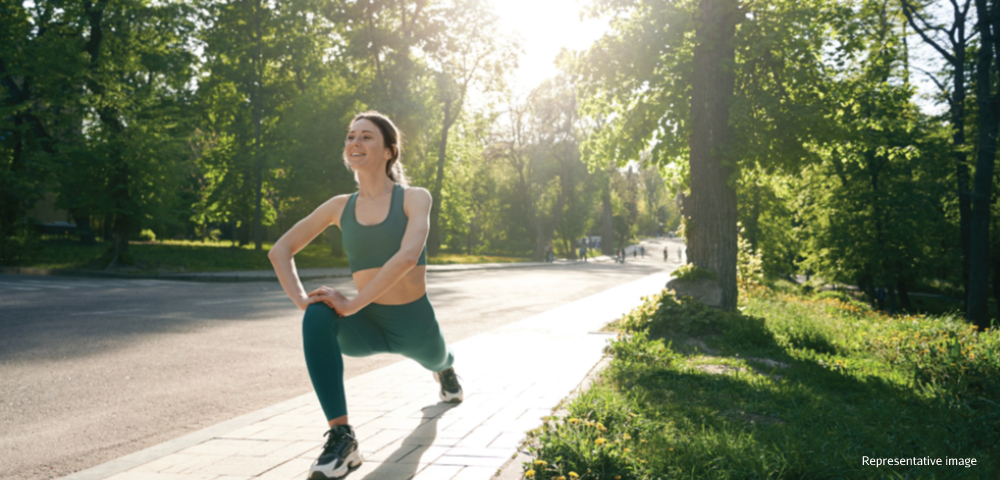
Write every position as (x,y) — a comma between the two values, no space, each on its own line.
(384,227)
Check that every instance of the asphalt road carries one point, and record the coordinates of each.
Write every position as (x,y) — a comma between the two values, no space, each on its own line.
(94,369)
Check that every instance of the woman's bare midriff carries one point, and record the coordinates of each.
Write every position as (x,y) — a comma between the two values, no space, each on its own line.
(408,289)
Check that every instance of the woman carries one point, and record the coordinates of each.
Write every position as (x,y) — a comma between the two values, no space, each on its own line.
(384,227)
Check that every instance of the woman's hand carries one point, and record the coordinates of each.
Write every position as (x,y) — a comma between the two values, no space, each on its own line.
(334,299)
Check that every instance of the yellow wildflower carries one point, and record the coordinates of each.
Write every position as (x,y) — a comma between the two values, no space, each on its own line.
(600,441)
(560,477)
(618,477)
(601,427)
(574,420)
(573,475)
(627,437)
(627,450)
(540,463)
(529,473)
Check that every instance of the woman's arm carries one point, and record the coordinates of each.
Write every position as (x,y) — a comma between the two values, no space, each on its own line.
(295,240)
(417,205)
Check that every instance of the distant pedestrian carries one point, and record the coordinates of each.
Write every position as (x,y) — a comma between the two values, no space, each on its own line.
(635,252)
(666,253)
(642,251)
(583,252)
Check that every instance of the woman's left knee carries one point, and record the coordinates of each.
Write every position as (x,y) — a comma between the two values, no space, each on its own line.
(318,318)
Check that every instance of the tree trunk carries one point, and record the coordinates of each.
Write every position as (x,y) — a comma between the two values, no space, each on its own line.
(126,222)
(607,226)
(961,163)
(996,280)
(258,167)
(106,227)
(752,227)
(979,228)
(711,208)
(866,285)
(904,295)
(434,234)
(85,232)
(243,233)
(13,199)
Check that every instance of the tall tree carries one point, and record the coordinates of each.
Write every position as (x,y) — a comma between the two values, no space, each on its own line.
(703,92)
(260,56)
(537,139)
(471,52)
(988,100)
(951,43)
(710,209)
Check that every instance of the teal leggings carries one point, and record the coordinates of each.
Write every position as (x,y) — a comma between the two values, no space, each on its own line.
(410,330)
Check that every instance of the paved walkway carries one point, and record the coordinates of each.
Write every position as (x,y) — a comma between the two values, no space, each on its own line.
(512,376)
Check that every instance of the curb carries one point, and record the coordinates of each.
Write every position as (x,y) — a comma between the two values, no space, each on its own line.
(255,276)
(513,470)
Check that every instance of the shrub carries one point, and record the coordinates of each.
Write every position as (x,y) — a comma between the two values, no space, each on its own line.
(662,315)
(15,249)
(147,235)
(691,272)
(749,265)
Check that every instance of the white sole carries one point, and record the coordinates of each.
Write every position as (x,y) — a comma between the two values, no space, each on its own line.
(451,397)
(319,473)
(447,396)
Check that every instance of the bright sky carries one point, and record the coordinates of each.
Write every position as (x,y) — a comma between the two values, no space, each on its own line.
(545,27)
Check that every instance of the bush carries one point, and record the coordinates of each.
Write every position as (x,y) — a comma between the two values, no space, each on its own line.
(749,265)
(15,249)
(842,297)
(690,272)
(662,315)
(147,235)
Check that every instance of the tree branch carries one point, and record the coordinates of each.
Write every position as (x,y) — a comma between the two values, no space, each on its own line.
(910,13)
(940,86)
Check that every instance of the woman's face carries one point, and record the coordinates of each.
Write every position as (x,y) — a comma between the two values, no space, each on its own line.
(365,148)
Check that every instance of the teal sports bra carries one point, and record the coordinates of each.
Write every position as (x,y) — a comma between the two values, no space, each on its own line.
(370,246)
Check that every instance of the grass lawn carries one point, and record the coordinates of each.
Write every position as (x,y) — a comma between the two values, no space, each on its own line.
(189,256)
(791,387)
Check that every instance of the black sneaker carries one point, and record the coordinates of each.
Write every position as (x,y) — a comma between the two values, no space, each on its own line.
(451,391)
(340,454)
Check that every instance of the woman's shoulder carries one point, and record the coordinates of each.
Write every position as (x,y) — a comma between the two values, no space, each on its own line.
(418,193)
(334,207)
(416,197)
(340,200)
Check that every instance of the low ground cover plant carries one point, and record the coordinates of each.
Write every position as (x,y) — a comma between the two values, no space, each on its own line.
(790,386)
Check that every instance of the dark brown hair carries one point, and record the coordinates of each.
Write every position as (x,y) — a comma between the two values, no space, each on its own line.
(392,139)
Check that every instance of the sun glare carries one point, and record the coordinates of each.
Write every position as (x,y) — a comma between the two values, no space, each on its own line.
(544,27)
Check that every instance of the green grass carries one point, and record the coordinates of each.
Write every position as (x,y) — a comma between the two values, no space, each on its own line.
(692,392)
(192,256)
(446,258)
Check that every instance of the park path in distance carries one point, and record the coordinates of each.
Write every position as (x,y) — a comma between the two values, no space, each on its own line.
(94,369)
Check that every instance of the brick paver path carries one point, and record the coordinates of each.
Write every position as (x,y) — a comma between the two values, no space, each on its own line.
(512,377)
